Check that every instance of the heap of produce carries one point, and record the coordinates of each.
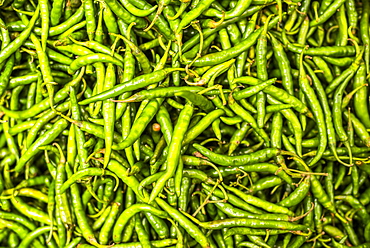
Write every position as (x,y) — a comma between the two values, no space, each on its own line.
(184,123)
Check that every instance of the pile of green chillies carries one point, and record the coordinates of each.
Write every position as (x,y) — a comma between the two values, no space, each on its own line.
(184,123)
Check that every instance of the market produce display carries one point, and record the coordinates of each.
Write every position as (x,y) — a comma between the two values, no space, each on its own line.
(179,123)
